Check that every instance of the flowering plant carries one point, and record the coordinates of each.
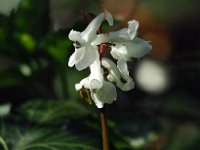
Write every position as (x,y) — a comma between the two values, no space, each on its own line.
(105,75)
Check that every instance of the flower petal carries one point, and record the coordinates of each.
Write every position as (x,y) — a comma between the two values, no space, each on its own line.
(83,82)
(132,28)
(115,76)
(109,18)
(137,48)
(85,56)
(129,85)
(119,51)
(118,36)
(123,68)
(97,101)
(125,33)
(107,94)
(112,68)
(91,30)
(75,36)
(96,75)
(71,61)
(100,38)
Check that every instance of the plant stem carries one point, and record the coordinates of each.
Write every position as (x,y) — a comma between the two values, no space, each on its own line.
(104,130)
(63,81)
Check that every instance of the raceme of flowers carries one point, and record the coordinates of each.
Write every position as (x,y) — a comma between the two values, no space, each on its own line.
(106,74)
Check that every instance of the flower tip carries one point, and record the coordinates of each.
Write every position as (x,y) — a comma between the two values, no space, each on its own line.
(148,46)
(71,61)
(70,34)
(74,35)
(129,85)
(132,28)
(109,18)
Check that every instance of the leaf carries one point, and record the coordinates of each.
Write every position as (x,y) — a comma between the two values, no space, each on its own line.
(27,41)
(20,137)
(10,78)
(53,112)
(56,45)
(29,16)
(186,137)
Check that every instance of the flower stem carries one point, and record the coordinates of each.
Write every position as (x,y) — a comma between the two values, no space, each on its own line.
(104,130)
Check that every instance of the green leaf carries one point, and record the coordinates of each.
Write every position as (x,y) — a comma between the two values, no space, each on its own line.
(27,41)
(53,112)
(186,137)
(29,16)
(56,45)
(20,137)
(9,78)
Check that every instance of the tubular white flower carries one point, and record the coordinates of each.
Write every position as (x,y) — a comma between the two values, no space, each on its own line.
(116,76)
(96,76)
(101,90)
(86,51)
(89,34)
(125,33)
(106,94)
(84,82)
(83,57)
(95,80)
(136,48)
(127,46)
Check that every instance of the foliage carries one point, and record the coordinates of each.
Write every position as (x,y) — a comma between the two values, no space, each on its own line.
(20,137)
(40,110)
(52,112)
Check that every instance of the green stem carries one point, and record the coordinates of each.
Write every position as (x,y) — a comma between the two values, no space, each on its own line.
(63,81)
(104,130)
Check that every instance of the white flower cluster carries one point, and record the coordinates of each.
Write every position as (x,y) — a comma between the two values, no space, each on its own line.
(105,75)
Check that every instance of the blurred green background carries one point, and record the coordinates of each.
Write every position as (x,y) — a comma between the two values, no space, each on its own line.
(39,107)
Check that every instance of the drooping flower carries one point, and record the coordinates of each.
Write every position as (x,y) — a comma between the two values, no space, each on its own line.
(116,76)
(104,73)
(100,89)
(127,46)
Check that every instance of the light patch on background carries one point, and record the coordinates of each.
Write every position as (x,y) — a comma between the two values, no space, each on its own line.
(6,6)
(25,70)
(4,109)
(152,76)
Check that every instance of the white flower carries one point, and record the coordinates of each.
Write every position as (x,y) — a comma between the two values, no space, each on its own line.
(125,33)
(100,89)
(105,95)
(127,46)
(86,52)
(95,79)
(116,76)
(123,45)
